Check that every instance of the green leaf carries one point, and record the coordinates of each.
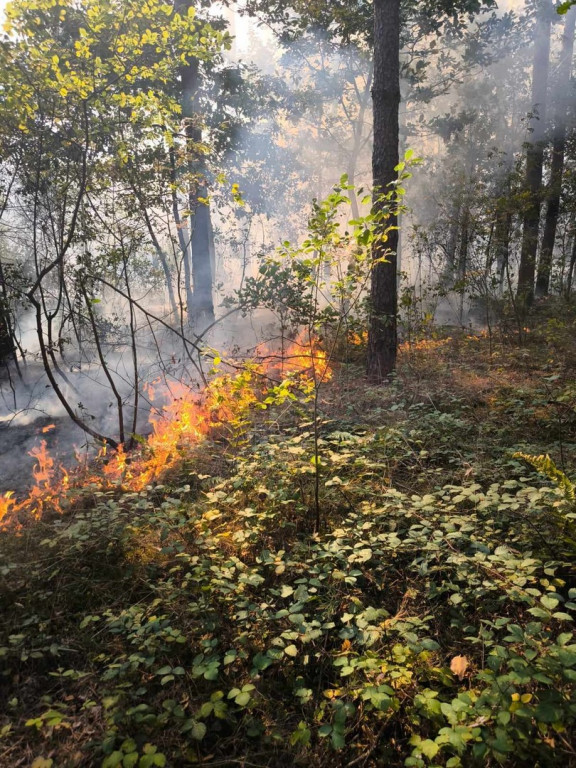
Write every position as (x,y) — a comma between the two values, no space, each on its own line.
(550,602)
(198,730)
(540,613)
(113,760)
(429,748)
(261,662)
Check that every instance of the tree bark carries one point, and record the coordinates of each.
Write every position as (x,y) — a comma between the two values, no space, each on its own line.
(383,334)
(571,266)
(202,309)
(561,101)
(502,232)
(7,345)
(463,260)
(535,159)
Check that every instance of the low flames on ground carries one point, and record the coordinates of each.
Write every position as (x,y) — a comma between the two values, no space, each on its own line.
(181,420)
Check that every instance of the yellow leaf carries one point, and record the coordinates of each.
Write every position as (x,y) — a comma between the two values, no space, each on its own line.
(63,91)
(459,665)
(42,762)
(525,698)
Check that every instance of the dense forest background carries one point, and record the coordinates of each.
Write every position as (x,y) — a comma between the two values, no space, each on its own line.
(154,159)
(287,401)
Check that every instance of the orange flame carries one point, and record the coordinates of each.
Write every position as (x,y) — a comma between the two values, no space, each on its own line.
(48,428)
(358,339)
(179,423)
(43,472)
(6,504)
(304,357)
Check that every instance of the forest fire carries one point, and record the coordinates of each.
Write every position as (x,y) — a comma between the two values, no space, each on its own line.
(303,356)
(180,419)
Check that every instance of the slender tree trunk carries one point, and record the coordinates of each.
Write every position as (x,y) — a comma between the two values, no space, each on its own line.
(160,252)
(502,232)
(181,229)
(202,301)
(383,334)
(358,133)
(463,260)
(561,99)
(7,345)
(451,248)
(535,158)
(202,309)
(571,266)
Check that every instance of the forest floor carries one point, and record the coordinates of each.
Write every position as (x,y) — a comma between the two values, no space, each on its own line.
(430,621)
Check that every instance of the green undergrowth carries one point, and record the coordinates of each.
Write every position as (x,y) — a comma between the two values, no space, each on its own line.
(430,622)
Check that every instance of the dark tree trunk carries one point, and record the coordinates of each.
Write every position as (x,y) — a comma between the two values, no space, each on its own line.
(561,100)
(382,335)
(451,247)
(7,345)
(202,309)
(463,260)
(535,159)
(571,266)
(502,232)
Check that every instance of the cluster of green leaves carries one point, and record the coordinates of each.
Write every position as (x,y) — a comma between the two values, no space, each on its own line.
(321,282)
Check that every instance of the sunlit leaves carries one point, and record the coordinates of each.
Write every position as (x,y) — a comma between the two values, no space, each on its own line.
(100,53)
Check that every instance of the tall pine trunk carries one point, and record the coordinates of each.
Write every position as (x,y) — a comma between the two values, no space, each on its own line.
(383,334)
(535,158)
(561,102)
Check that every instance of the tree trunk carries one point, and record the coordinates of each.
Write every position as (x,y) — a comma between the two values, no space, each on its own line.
(358,133)
(571,266)
(502,232)
(463,260)
(561,100)
(451,247)
(202,309)
(7,346)
(382,335)
(202,301)
(534,158)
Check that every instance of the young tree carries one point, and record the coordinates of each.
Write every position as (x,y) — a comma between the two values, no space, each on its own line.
(90,109)
(384,27)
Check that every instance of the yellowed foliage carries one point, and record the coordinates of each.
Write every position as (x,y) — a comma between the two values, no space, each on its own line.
(459,665)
